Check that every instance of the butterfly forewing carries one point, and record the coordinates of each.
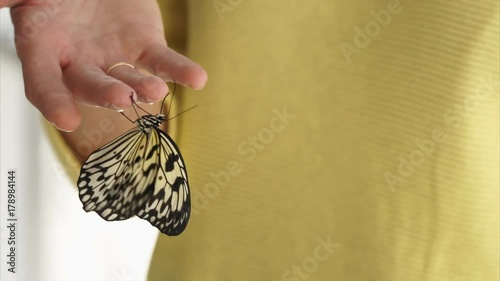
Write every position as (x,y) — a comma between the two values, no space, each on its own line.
(102,173)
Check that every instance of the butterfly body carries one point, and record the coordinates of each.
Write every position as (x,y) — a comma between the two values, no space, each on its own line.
(139,173)
(150,121)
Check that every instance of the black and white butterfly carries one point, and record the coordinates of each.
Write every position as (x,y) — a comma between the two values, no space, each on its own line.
(139,173)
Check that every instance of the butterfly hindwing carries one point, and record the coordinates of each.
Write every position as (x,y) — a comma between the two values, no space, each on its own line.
(136,184)
(169,207)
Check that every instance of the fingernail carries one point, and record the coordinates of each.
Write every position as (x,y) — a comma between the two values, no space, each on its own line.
(115,108)
(67,131)
(146,100)
(198,88)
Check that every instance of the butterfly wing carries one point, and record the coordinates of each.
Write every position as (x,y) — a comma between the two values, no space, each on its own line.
(109,176)
(169,207)
(135,186)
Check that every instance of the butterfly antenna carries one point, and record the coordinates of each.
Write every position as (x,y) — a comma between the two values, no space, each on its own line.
(163,101)
(127,117)
(171,101)
(134,105)
(184,111)
(141,108)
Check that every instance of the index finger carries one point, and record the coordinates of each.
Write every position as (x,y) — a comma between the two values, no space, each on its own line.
(172,66)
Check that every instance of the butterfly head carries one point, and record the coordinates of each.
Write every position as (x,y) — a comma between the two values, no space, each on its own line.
(149,121)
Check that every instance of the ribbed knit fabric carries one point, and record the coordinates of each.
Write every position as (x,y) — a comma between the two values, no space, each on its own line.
(386,166)
(424,88)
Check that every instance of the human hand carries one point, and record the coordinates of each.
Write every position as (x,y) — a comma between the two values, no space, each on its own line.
(66,60)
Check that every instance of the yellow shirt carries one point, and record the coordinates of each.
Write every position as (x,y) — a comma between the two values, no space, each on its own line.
(338,140)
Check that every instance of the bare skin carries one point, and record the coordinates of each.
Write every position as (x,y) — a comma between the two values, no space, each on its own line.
(66,47)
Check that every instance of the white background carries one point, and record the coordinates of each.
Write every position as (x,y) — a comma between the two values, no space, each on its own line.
(56,239)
